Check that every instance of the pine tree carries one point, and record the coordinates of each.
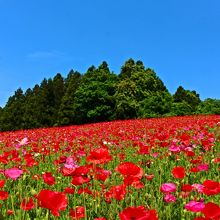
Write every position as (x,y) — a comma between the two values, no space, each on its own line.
(66,114)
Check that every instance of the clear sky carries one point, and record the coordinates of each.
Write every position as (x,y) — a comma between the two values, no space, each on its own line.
(179,39)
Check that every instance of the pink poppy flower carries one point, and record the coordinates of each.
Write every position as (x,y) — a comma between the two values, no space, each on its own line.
(70,163)
(174,149)
(156,154)
(168,188)
(203,167)
(194,206)
(13,173)
(198,187)
(21,143)
(24,141)
(168,198)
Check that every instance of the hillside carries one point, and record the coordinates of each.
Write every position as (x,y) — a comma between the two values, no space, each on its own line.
(100,95)
(165,168)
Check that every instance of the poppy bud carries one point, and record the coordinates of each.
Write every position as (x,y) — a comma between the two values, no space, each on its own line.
(33,192)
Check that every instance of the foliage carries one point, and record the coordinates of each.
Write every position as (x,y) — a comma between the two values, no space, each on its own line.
(66,108)
(186,96)
(209,106)
(155,105)
(94,96)
(181,108)
(138,90)
(100,95)
(12,114)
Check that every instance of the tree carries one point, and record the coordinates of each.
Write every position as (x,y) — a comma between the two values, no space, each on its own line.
(127,69)
(209,106)
(155,104)
(187,96)
(31,109)
(58,90)
(136,89)
(66,109)
(35,107)
(40,105)
(100,95)
(94,97)
(126,104)
(181,108)
(13,112)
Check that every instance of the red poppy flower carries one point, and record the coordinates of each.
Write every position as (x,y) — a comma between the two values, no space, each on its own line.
(138,213)
(54,201)
(69,190)
(178,172)
(68,171)
(211,187)
(197,161)
(4,159)
(190,153)
(116,192)
(48,178)
(130,169)
(79,180)
(82,170)
(149,177)
(84,190)
(186,188)
(80,175)
(78,213)
(99,156)
(30,161)
(27,205)
(10,212)
(211,211)
(143,149)
(3,195)
(62,159)
(2,183)
(216,160)
(194,170)
(133,181)
(101,174)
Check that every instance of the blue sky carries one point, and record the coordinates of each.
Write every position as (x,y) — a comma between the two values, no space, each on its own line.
(179,39)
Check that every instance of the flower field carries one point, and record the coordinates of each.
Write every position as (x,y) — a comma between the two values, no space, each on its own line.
(165,168)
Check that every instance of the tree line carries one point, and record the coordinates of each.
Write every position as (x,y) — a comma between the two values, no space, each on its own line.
(100,95)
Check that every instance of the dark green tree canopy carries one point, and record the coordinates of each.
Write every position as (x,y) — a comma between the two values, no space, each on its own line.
(187,96)
(136,85)
(209,106)
(94,97)
(100,95)
(66,109)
